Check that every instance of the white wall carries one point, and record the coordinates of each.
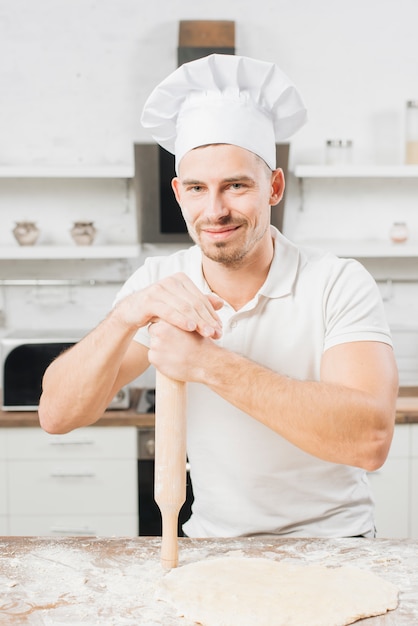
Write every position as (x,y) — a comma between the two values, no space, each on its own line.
(74,75)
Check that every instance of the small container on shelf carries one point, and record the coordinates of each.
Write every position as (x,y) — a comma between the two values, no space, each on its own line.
(338,151)
(411,133)
(26,233)
(399,232)
(83,233)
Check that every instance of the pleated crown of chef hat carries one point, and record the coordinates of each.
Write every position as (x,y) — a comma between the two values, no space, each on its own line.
(228,99)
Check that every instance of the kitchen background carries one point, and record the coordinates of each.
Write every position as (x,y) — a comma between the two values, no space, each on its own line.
(74,77)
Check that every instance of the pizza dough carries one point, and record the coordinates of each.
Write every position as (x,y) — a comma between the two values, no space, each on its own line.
(239,591)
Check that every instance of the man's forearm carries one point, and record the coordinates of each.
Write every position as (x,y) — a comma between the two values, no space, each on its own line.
(334,422)
(77,386)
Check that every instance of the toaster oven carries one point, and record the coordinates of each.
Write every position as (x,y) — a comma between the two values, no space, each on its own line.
(25,355)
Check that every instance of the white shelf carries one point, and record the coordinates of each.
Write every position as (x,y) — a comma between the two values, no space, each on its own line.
(356,171)
(368,248)
(77,171)
(69,252)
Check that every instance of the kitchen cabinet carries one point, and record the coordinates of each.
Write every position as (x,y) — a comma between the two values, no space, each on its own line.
(54,196)
(395,486)
(390,485)
(382,188)
(3,485)
(414,482)
(81,483)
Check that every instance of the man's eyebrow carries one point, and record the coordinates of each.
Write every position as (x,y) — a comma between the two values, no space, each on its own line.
(191,181)
(230,179)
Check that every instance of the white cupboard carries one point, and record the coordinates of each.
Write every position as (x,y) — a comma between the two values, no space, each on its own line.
(81,483)
(414,482)
(395,489)
(3,485)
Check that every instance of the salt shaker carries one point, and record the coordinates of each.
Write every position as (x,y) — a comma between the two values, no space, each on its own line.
(338,151)
(411,133)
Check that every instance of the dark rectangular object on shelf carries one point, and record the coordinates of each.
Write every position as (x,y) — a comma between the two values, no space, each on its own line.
(207,34)
(185,55)
(158,214)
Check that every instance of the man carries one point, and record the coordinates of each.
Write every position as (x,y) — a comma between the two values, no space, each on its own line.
(292,379)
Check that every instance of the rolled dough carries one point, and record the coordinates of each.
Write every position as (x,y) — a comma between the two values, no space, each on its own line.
(240,591)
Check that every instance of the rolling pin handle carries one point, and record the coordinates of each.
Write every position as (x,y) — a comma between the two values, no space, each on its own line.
(170,461)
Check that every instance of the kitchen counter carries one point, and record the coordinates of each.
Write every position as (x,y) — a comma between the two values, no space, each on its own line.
(88,581)
(406,413)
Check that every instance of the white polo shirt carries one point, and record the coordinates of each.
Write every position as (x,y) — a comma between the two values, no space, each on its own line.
(246,478)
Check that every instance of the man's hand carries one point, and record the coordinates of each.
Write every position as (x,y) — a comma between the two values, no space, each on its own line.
(178,354)
(176,300)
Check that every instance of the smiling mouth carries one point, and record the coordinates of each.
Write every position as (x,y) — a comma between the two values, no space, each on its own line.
(220,231)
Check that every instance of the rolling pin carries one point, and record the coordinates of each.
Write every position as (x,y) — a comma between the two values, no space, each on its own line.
(170,461)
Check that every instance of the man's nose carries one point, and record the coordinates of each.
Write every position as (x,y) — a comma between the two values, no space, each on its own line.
(215,206)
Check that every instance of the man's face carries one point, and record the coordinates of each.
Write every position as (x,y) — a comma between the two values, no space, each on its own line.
(225,193)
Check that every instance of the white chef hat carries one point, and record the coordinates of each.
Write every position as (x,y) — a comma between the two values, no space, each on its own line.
(224,98)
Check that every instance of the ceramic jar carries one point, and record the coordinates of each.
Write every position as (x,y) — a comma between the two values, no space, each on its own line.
(26,233)
(83,233)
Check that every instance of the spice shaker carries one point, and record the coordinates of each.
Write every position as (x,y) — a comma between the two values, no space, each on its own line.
(411,133)
(338,151)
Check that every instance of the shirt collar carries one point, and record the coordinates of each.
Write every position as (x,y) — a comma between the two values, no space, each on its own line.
(283,268)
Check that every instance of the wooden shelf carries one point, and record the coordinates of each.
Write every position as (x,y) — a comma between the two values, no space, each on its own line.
(356,171)
(69,252)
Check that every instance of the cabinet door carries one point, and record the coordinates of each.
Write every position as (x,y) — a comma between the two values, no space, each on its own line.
(390,486)
(95,442)
(85,487)
(4,526)
(414,481)
(3,489)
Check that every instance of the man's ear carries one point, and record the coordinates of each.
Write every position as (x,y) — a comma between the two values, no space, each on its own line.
(175,185)
(277,186)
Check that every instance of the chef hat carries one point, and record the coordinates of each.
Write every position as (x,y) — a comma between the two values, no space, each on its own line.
(224,99)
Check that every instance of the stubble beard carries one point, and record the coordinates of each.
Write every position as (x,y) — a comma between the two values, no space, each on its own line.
(227,254)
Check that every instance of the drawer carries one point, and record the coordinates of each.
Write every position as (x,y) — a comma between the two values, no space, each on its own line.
(4,525)
(73,487)
(414,440)
(84,443)
(3,438)
(74,525)
(390,488)
(400,442)
(3,488)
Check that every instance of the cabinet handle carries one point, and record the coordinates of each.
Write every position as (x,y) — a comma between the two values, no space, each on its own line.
(58,474)
(85,442)
(67,530)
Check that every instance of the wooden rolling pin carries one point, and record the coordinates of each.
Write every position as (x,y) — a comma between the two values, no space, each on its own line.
(170,461)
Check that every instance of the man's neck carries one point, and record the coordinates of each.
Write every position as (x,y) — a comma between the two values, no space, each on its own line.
(237,285)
